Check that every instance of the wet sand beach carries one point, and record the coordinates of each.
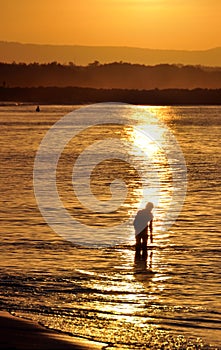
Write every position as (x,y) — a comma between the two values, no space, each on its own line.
(20,334)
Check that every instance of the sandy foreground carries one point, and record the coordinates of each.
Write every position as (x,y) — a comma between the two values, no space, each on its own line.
(20,334)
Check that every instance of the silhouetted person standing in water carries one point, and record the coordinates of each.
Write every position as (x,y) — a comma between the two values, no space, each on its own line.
(143,223)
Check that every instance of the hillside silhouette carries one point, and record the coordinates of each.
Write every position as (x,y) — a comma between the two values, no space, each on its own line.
(82,55)
(116,75)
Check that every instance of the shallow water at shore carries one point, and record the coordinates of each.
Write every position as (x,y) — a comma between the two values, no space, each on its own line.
(170,301)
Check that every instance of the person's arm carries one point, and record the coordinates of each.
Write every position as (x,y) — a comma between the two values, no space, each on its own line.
(151,231)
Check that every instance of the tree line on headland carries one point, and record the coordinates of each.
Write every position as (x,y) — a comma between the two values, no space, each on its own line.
(116,75)
(78,95)
(162,84)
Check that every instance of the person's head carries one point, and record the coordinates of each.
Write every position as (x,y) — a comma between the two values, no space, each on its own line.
(149,206)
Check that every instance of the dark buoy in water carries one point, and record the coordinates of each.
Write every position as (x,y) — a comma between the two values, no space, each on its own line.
(37,109)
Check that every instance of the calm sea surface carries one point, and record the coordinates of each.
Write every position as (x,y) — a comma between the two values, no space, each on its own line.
(171,301)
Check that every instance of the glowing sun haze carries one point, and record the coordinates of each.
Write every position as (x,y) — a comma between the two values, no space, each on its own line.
(162,24)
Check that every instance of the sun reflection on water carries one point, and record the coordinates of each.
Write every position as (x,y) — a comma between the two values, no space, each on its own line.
(149,139)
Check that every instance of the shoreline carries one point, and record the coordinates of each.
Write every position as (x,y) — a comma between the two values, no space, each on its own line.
(21,334)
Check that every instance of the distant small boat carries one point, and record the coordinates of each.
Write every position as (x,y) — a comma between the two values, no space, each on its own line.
(37,109)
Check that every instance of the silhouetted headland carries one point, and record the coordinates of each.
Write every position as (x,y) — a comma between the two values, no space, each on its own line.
(77,95)
(116,75)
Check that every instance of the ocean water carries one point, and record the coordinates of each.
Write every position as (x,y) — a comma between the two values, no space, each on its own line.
(170,301)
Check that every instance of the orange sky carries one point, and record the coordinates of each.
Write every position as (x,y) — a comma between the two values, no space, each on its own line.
(163,24)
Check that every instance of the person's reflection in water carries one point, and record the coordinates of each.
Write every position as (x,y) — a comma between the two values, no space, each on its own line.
(143,267)
(150,261)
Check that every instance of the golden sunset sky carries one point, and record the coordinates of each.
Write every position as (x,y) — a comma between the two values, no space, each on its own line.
(159,24)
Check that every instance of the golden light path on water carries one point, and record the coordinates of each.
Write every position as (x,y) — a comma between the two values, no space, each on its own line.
(161,195)
(129,293)
(149,138)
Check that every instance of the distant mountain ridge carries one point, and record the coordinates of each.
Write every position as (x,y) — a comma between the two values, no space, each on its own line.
(82,55)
